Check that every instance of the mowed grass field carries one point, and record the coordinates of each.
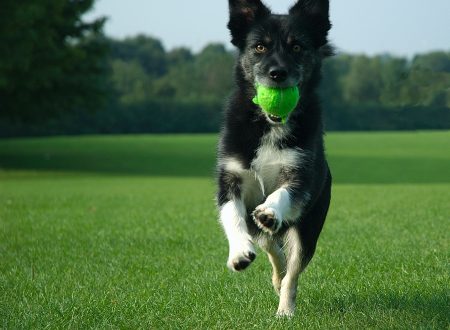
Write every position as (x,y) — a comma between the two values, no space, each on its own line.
(122,232)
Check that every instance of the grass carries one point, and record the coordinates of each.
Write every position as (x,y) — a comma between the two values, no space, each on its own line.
(121,232)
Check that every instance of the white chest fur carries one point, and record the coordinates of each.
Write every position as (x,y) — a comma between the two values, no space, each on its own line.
(269,162)
(262,178)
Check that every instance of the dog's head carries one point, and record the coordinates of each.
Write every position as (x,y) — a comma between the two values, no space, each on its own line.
(279,50)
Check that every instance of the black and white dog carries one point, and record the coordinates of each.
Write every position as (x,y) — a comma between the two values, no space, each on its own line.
(273,178)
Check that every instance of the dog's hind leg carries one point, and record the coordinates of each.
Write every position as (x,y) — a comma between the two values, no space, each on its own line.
(277,258)
(300,245)
(294,266)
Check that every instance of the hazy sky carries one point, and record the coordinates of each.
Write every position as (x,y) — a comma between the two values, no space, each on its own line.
(401,27)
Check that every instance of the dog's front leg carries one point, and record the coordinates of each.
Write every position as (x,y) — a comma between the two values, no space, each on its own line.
(242,251)
(233,215)
(279,207)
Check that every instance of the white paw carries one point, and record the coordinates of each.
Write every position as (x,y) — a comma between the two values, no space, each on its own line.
(285,312)
(241,257)
(267,219)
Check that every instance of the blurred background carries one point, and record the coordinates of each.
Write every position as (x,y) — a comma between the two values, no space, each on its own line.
(76,67)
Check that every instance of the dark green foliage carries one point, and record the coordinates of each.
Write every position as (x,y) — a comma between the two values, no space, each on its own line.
(148,52)
(386,81)
(387,93)
(51,61)
(58,75)
(375,118)
(205,77)
(140,117)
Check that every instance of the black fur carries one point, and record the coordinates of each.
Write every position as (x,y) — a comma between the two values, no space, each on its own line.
(252,24)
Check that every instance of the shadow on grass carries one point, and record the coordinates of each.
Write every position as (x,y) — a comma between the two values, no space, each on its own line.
(345,169)
(194,156)
(427,310)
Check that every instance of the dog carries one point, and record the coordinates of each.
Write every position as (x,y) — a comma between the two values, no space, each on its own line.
(274,183)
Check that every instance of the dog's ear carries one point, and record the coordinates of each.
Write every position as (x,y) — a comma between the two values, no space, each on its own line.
(243,13)
(316,14)
(311,7)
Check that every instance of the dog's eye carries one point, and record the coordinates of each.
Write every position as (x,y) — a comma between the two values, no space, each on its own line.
(297,48)
(260,48)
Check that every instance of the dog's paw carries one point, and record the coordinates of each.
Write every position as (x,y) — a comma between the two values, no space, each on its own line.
(240,259)
(267,219)
(285,313)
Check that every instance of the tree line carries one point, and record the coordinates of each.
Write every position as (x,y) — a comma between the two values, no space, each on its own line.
(62,75)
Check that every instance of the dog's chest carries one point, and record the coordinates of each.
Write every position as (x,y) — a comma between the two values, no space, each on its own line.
(269,163)
(271,158)
(262,175)
(268,169)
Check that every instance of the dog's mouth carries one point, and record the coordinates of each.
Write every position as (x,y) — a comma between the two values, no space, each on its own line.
(275,119)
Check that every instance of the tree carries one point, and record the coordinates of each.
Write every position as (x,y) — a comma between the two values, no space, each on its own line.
(51,61)
(334,70)
(425,81)
(179,56)
(131,82)
(435,61)
(207,77)
(363,83)
(148,51)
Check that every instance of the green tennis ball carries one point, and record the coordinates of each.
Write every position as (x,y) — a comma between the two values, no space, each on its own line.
(278,102)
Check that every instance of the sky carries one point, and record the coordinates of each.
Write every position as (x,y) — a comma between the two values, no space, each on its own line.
(399,27)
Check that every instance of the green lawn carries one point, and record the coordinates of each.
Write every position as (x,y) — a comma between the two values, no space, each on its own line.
(121,231)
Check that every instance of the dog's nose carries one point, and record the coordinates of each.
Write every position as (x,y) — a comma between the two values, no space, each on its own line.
(278,74)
